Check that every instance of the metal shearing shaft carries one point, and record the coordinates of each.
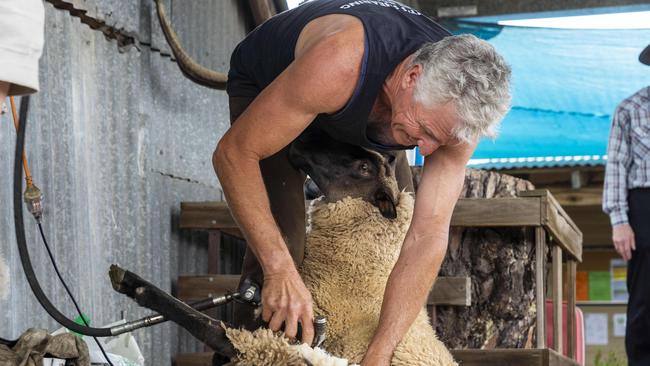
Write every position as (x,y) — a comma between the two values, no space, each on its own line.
(157,319)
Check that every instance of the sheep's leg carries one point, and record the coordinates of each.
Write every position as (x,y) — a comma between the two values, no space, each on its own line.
(201,326)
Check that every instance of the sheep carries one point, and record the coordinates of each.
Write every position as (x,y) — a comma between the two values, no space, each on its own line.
(349,254)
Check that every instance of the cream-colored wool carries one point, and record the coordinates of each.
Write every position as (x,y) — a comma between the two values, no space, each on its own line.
(265,348)
(262,348)
(350,251)
(349,254)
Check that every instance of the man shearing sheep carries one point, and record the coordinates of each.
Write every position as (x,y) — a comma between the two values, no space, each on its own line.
(375,74)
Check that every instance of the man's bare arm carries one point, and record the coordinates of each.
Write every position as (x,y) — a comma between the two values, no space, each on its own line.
(423,249)
(321,80)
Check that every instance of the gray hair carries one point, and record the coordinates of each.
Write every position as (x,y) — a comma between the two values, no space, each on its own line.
(469,72)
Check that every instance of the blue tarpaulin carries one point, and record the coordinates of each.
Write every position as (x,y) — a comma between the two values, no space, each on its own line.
(566,84)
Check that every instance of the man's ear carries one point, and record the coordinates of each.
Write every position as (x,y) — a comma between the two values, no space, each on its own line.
(411,76)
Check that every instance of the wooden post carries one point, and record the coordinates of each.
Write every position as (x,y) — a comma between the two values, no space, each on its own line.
(558,339)
(540,293)
(571,308)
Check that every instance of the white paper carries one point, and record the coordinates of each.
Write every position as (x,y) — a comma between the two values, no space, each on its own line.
(596,332)
(619,324)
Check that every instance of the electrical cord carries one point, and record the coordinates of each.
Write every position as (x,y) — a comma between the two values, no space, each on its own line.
(33,198)
(74,301)
(22,242)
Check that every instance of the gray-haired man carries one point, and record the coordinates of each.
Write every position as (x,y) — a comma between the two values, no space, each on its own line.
(376,74)
(627,201)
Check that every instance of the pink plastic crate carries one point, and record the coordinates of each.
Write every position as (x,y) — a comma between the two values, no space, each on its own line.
(579,326)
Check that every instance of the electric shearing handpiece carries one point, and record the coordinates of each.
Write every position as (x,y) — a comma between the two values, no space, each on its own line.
(250,294)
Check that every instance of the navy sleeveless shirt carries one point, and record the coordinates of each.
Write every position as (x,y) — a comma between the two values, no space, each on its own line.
(393,31)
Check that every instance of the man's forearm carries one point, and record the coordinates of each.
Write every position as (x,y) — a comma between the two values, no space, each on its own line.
(407,289)
(242,183)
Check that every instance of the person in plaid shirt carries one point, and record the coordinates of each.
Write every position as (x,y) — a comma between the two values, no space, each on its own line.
(626,199)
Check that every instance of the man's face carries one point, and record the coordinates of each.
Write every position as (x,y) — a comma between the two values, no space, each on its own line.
(414,124)
(427,127)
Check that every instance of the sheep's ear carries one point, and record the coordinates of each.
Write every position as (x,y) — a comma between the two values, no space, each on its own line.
(386,205)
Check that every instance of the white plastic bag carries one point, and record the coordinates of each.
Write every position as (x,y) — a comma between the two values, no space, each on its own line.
(123,350)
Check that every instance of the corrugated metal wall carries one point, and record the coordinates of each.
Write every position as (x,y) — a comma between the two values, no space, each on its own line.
(116,141)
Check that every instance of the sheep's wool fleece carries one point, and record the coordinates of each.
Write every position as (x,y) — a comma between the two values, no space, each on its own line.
(349,254)
(265,348)
(262,348)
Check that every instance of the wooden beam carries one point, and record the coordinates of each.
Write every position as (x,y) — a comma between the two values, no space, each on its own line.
(558,223)
(564,230)
(554,170)
(540,289)
(475,212)
(533,208)
(465,357)
(194,359)
(206,216)
(446,290)
(511,357)
(571,308)
(198,287)
(451,291)
(496,212)
(558,338)
(498,7)
(585,196)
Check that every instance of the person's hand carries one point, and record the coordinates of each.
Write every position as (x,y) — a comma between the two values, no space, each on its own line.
(285,299)
(623,238)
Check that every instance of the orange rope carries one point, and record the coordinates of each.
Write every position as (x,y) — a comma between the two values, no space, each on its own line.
(28,175)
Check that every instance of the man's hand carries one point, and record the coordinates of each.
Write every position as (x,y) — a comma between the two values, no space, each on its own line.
(623,238)
(285,299)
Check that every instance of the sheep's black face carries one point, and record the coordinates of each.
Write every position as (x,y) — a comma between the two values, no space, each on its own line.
(342,170)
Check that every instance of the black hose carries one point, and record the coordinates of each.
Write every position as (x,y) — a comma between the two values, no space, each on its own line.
(67,289)
(22,243)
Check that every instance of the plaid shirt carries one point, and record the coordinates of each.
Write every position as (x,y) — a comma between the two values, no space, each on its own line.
(628,154)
